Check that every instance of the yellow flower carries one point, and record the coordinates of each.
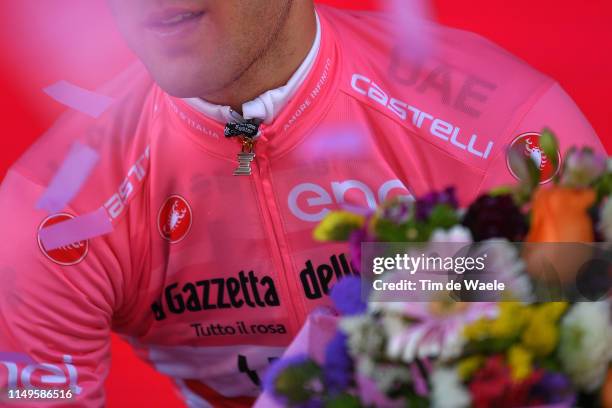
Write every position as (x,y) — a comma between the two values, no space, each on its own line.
(541,337)
(468,366)
(337,226)
(478,330)
(519,360)
(509,324)
(550,312)
(504,328)
(542,334)
(512,319)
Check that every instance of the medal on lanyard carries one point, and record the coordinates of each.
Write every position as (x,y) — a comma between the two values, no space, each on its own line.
(247,132)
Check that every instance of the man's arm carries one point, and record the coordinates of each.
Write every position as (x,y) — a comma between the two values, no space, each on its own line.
(54,319)
(554,110)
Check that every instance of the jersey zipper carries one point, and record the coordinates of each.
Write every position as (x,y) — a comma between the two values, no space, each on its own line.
(279,246)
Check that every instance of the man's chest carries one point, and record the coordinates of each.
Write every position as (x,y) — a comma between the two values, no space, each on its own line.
(233,268)
(233,259)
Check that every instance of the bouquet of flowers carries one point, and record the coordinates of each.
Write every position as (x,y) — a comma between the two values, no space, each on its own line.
(517,352)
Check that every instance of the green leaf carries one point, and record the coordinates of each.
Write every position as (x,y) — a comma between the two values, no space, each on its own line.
(442,216)
(389,231)
(524,169)
(501,191)
(415,231)
(296,382)
(603,186)
(416,401)
(343,401)
(550,146)
(534,174)
(517,162)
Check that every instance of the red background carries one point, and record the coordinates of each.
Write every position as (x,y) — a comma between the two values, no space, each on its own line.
(43,42)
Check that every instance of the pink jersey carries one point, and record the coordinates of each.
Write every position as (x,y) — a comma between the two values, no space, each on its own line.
(209,275)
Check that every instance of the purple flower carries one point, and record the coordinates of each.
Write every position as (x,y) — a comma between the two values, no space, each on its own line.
(355,239)
(346,295)
(554,388)
(495,217)
(426,204)
(338,365)
(397,211)
(312,403)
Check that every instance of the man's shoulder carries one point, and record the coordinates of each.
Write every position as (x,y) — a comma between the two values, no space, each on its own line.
(118,136)
(113,134)
(373,38)
(463,81)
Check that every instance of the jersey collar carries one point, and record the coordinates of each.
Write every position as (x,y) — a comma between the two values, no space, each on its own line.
(311,100)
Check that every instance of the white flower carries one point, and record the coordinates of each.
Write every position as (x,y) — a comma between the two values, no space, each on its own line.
(387,377)
(605,224)
(457,234)
(364,334)
(447,390)
(585,346)
(365,341)
(505,264)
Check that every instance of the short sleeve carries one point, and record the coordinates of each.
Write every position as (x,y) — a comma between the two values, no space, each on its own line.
(554,110)
(55,308)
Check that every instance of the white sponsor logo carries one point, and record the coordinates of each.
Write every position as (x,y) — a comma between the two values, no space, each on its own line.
(319,199)
(118,201)
(55,375)
(437,127)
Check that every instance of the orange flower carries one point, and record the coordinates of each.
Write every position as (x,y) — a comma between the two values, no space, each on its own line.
(606,392)
(559,215)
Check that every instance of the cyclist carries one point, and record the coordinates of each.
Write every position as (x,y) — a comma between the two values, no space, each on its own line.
(248,122)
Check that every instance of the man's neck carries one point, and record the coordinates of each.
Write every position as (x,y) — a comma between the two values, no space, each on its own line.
(276,65)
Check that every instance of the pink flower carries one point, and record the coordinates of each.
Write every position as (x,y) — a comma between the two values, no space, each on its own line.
(582,167)
(370,395)
(435,330)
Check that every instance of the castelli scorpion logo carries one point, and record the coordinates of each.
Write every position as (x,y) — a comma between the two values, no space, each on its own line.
(536,154)
(529,145)
(174,219)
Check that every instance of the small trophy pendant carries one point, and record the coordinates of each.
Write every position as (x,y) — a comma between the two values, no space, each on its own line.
(247,132)
(245,158)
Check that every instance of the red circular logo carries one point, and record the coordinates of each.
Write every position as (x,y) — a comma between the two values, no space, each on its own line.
(174,219)
(528,144)
(67,255)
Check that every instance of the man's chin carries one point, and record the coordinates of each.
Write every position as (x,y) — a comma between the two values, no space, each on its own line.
(179,90)
(187,89)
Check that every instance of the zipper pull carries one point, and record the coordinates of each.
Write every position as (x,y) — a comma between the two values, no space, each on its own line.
(247,131)
(245,157)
